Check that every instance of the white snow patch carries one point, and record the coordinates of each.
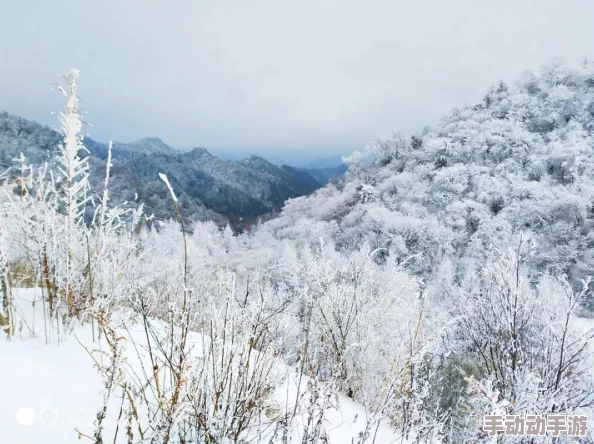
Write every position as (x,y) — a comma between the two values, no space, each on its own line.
(48,391)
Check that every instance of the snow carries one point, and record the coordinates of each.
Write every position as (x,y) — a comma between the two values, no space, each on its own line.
(497,198)
(585,326)
(56,381)
(163,177)
(51,391)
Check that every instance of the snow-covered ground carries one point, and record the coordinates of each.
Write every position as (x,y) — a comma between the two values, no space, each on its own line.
(48,391)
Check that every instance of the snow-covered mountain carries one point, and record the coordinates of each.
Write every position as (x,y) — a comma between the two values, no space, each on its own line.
(522,160)
(402,303)
(208,187)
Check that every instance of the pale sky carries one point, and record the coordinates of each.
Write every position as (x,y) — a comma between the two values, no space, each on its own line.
(318,76)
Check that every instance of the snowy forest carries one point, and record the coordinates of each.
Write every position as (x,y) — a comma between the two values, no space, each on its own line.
(446,280)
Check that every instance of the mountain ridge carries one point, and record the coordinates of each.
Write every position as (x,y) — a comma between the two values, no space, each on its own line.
(519,163)
(208,187)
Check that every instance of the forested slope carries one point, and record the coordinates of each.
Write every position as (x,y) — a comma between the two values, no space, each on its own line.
(522,160)
(209,188)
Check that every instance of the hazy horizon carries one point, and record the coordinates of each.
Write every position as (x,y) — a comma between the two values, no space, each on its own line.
(310,79)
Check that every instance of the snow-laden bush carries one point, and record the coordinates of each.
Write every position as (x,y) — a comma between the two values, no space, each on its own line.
(515,334)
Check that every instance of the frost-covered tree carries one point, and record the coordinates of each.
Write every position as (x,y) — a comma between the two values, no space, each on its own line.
(73,180)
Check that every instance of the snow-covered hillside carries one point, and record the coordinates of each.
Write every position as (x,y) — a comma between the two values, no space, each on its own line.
(445,280)
(52,391)
(521,160)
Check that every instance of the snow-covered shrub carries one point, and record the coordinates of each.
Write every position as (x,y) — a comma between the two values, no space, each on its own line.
(516,336)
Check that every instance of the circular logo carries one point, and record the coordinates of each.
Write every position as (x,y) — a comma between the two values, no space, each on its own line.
(48,416)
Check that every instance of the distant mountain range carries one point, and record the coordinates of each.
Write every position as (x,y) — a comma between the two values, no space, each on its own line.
(208,187)
(325,163)
(291,156)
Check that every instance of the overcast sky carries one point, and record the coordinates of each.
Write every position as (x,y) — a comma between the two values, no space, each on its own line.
(319,76)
